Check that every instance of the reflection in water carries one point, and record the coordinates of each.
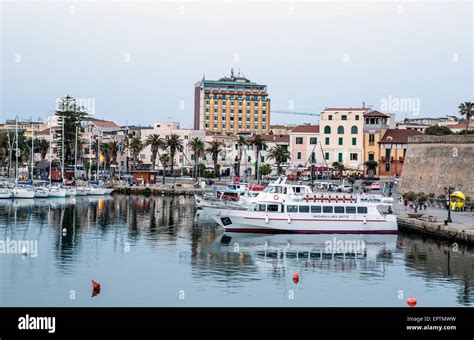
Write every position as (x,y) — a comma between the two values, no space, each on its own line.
(162,244)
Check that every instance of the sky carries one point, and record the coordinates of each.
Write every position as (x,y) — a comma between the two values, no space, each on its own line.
(137,62)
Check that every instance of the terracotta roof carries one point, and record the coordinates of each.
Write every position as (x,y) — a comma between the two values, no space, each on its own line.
(105,124)
(306,129)
(460,126)
(276,138)
(398,136)
(43,132)
(346,109)
(376,114)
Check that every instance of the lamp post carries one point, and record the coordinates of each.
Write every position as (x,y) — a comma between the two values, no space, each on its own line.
(448,191)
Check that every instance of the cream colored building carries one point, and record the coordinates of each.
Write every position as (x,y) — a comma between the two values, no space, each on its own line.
(305,147)
(342,136)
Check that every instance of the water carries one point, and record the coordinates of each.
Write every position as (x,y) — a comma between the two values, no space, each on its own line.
(152,251)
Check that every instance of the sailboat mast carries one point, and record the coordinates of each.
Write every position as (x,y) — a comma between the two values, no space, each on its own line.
(16,150)
(32,149)
(75,154)
(62,152)
(90,151)
(98,157)
(50,150)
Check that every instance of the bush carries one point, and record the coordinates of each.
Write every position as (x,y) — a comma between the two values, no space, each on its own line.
(146,192)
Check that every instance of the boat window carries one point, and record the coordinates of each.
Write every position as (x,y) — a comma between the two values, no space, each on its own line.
(350,210)
(268,189)
(327,209)
(304,208)
(291,208)
(285,191)
(339,210)
(262,207)
(316,209)
(362,210)
(272,207)
(278,190)
(297,190)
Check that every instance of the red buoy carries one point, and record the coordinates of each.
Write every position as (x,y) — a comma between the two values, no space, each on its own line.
(411,301)
(296,277)
(95,285)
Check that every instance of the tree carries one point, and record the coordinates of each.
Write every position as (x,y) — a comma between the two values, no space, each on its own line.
(417,199)
(259,143)
(164,159)
(438,130)
(338,168)
(113,151)
(241,143)
(155,142)
(69,112)
(466,109)
(280,154)
(214,150)
(265,170)
(136,146)
(197,146)
(371,167)
(173,143)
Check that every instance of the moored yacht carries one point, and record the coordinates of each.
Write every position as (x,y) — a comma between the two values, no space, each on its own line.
(5,192)
(56,191)
(20,191)
(319,214)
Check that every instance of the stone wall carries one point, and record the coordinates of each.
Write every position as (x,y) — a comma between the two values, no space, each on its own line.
(434,162)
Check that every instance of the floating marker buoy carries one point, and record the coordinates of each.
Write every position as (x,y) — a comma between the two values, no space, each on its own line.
(411,301)
(64,230)
(296,277)
(95,285)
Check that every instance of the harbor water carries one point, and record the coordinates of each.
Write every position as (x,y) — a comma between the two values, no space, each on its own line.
(160,251)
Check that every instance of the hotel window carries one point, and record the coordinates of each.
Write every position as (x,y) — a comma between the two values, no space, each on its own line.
(329,117)
(340,141)
(299,140)
(371,156)
(327,129)
(326,156)
(313,140)
(353,156)
(298,155)
(354,141)
(339,157)
(371,139)
(354,130)
(357,117)
(344,117)
(340,130)
(327,140)
(313,157)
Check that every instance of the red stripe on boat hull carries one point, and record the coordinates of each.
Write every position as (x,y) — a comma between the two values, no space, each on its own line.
(281,231)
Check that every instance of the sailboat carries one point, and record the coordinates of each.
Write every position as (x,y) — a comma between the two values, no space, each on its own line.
(53,191)
(20,191)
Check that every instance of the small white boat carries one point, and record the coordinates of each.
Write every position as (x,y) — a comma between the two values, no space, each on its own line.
(96,190)
(82,191)
(56,192)
(70,191)
(23,192)
(41,192)
(5,192)
(108,191)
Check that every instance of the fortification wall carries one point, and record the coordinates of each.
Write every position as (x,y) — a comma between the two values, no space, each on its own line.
(435,162)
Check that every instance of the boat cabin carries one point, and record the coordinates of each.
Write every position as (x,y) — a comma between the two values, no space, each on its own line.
(307,208)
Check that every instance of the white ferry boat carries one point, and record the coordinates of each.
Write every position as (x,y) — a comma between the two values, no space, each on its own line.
(318,214)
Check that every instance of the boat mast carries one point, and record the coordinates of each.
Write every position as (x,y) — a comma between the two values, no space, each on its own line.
(90,151)
(16,150)
(50,150)
(75,154)
(98,158)
(62,152)
(32,150)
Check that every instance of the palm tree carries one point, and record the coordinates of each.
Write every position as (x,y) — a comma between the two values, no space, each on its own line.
(338,167)
(197,146)
(279,154)
(113,152)
(173,143)
(164,159)
(371,167)
(155,142)
(259,143)
(136,146)
(214,150)
(466,109)
(241,142)
(43,147)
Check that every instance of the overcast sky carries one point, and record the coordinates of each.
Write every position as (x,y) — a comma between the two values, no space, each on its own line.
(138,62)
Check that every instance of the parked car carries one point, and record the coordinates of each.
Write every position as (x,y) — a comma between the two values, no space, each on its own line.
(344,188)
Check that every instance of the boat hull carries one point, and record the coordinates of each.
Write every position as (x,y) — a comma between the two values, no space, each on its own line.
(241,221)
(4,194)
(23,193)
(97,191)
(57,192)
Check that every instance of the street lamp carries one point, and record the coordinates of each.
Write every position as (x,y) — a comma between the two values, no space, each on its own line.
(448,191)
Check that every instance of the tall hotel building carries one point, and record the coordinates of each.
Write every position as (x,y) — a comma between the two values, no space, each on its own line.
(231,105)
